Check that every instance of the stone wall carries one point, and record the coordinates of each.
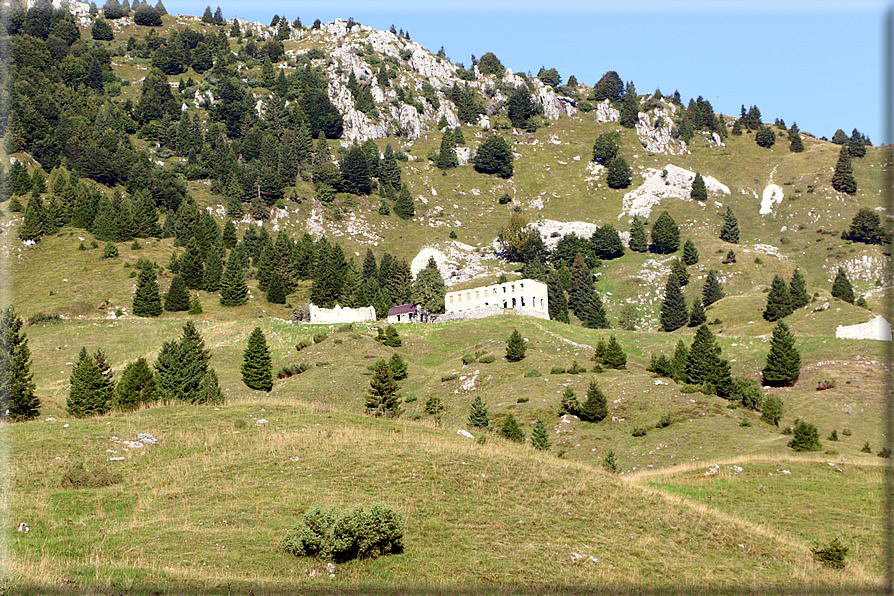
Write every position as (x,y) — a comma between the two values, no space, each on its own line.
(341,315)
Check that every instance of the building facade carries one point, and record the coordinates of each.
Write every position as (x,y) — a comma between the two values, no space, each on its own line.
(525,296)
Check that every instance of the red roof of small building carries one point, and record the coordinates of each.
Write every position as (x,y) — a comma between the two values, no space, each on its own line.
(402,309)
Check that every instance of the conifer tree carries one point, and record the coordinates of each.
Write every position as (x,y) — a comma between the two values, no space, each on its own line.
(794,134)
(607,243)
(594,317)
(182,372)
(228,239)
(398,367)
(540,437)
(595,409)
(730,230)
(638,239)
(779,300)
(88,394)
(679,269)
(606,147)
(233,289)
(629,107)
(665,235)
(690,253)
(674,313)
(679,359)
(257,371)
(213,269)
(177,298)
(805,437)
(191,267)
(391,338)
(478,415)
(447,156)
(618,173)
(403,206)
(511,430)
(613,356)
(429,289)
(798,290)
(841,287)
(784,360)
(136,387)
(581,287)
(570,405)
(34,223)
(771,410)
(515,347)
(276,289)
(697,316)
(17,398)
(105,226)
(856,144)
(712,291)
(866,227)
(556,303)
(699,190)
(843,177)
(704,365)
(146,299)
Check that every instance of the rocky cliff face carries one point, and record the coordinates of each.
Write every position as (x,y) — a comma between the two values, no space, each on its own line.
(655,128)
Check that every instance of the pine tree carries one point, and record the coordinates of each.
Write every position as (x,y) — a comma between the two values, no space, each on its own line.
(606,147)
(678,362)
(146,299)
(841,287)
(398,367)
(679,269)
(618,173)
(228,239)
(511,430)
(697,316)
(182,372)
(629,107)
(429,289)
(607,243)
(213,269)
(89,393)
(805,437)
(594,317)
(843,177)
(730,230)
(704,365)
(515,347)
(784,361)
(136,387)
(856,144)
(613,356)
(17,398)
(665,235)
(478,415)
(556,303)
(690,253)
(391,338)
(540,437)
(798,290)
(191,267)
(771,410)
(257,372)
(674,313)
(233,289)
(779,300)
(699,190)
(581,288)
(765,137)
(177,298)
(595,409)
(34,223)
(794,134)
(712,291)
(382,399)
(447,156)
(638,239)
(570,405)
(866,227)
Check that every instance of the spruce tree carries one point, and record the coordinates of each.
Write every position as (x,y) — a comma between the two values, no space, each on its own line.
(618,174)
(556,303)
(570,405)
(177,298)
(540,437)
(429,289)
(841,287)
(638,239)
(398,367)
(784,361)
(595,409)
(856,144)
(447,156)
(697,316)
(581,288)
(794,134)
(843,177)
(88,394)
(606,147)
(678,362)
(191,267)
(674,313)
(779,300)
(690,253)
(233,289)
(34,223)
(771,410)
(613,355)
(146,299)
(182,372)
(277,289)
(679,269)
(136,387)
(478,415)
(798,290)
(704,365)
(228,239)
(712,291)
(403,206)
(515,347)
(866,227)
(730,230)
(257,371)
(594,317)
(665,235)
(805,437)
(213,269)
(17,398)
(699,190)
(511,430)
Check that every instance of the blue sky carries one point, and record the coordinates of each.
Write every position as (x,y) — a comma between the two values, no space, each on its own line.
(816,62)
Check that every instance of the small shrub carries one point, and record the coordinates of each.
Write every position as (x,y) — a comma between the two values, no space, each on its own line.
(469,359)
(338,341)
(885,453)
(576,369)
(487,359)
(746,421)
(787,430)
(758,261)
(846,432)
(452,235)
(532,373)
(449,377)
(358,533)
(346,328)
(833,436)
(506,198)
(639,431)
(110,251)
(832,555)
(665,420)
(292,370)
(690,388)
(557,370)
(318,337)
(825,384)
(598,368)
(410,398)
(866,448)
(301,345)
(77,476)
(44,318)
(610,463)
(521,400)
(481,439)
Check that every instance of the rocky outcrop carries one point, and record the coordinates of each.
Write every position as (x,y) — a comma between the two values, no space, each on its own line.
(676,184)
(655,129)
(606,113)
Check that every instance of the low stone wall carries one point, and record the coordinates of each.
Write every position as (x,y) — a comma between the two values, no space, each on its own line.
(487,311)
(342,315)
(876,328)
